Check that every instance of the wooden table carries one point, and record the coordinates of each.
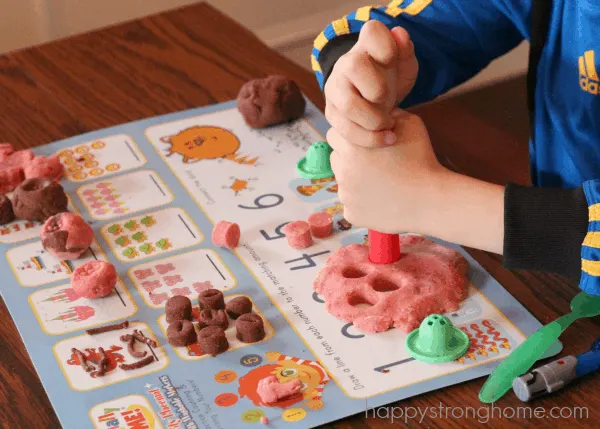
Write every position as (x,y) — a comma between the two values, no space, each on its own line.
(176,61)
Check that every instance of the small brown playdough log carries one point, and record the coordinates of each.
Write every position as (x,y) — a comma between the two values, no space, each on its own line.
(212,340)
(238,306)
(143,339)
(6,210)
(130,340)
(82,360)
(102,363)
(38,199)
(178,307)
(181,333)
(108,328)
(250,328)
(139,364)
(344,225)
(211,317)
(211,299)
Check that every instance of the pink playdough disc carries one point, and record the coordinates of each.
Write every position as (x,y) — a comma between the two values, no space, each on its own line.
(66,236)
(321,224)
(428,278)
(298,234)
(226,234)
(94,279)
(41,166)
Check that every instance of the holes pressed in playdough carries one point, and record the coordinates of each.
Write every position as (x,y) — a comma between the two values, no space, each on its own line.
(380,284)
(351,272)
(359,301)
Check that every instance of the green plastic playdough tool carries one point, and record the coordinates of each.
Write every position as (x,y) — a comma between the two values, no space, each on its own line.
(524,356)
(316,165)
(436,341)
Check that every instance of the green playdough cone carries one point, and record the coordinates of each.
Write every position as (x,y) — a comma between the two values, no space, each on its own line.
(316,165)
(437,341)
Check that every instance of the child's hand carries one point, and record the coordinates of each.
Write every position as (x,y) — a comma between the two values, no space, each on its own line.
(391,189)
(367,82)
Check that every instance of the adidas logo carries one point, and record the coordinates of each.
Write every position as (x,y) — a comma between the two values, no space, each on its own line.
(588,78)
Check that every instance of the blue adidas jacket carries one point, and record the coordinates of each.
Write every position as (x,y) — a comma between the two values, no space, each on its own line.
(454,40)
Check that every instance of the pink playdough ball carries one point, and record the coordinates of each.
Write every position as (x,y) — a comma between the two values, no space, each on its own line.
(10,178)
(66,235)
(47,167)
(298,234)
(94,279)
(321,224)
(226,234)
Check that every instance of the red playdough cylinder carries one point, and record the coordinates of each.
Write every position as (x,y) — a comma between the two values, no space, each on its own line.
(383,248)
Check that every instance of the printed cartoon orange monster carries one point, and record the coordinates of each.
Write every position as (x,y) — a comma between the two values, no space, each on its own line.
(206,142)
(286,368)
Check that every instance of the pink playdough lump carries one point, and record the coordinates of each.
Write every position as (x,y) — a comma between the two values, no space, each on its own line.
(271,390)
(94,279)
(47,167)
(428,278)
(66,236)
(226,234)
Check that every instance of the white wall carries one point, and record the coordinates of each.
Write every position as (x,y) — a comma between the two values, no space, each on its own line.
(279,23)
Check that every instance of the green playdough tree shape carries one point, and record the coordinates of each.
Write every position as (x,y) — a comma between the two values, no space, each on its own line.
(316,165)
(437,341)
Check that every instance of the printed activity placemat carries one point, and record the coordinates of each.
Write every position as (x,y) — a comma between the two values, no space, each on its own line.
(152,191)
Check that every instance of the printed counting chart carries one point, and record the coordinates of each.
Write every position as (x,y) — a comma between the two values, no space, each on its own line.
(152,191)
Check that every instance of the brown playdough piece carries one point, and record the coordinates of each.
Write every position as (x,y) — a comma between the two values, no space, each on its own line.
(212,340)
(211,299)
(250,328)
(6,210)
(270,101)
(38,199)
(210,317)
(178,307)
(238,306)
(181,333)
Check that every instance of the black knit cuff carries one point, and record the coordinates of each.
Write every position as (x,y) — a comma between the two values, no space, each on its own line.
(332,52)
(544,229)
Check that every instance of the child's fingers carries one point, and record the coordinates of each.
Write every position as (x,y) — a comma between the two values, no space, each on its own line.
(375,39)
(357,134)
(407,64)
(348,101)
(372,81)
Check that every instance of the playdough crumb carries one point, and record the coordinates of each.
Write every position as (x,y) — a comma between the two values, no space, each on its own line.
(226,234)
(321,224)
(264,420)
(66,236)
(271,390)
(94,279)
(298,234)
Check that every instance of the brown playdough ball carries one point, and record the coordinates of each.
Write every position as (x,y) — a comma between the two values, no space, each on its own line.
(238,306)
(211,299)
(270,101)
(181,333)
(212,340)
(178,307)
(6,210)
(250,328)
(210,317)
(38,199)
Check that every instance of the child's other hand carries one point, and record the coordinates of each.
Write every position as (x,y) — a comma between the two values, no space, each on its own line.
(391,189)
(367,82)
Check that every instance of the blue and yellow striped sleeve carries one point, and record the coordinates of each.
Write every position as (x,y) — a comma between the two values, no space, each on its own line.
(590,250)
(454,39)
